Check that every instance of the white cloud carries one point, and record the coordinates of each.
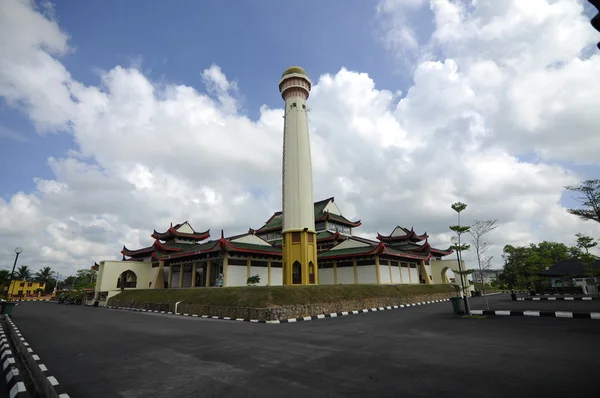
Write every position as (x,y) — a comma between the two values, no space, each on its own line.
(150,153)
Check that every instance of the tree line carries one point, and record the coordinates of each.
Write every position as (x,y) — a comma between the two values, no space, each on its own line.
(523,264)
(84,278)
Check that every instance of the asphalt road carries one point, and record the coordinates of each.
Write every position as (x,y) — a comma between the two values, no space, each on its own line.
(503,302)
(414,352)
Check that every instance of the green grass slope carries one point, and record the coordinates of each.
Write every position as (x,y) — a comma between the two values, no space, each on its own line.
(275,296)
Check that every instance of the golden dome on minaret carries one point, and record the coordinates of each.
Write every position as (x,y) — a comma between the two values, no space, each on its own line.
(294,69)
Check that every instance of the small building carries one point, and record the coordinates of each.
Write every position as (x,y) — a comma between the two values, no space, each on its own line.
(574,272)
(181,257)
(487,275)
(24,288)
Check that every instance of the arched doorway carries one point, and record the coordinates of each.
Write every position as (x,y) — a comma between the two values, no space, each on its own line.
(297,273)
(448,275)
(127,279)
(311,273)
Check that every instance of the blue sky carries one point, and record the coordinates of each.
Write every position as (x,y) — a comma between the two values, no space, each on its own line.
(251,42)
(174,42)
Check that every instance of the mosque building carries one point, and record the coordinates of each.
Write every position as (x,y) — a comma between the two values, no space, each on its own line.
(305,243)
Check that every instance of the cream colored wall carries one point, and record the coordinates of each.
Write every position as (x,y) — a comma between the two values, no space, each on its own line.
(332,208)
(349,243)
(438,265)
(109,271)
(398,232)
(251,239)
(367,273)
(326,276)
(345,275)
(186,229)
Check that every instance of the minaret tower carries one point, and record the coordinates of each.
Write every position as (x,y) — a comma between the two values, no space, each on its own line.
(299,237)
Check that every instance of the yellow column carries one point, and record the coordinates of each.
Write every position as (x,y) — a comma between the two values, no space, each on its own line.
(248,267)
(377,271)
(335,278)
(409,273)
(355,271)
(225,267)
(208,273)
(269,272)
(170,275)
(389,263)
(159,278)
(194,270)
(181,275)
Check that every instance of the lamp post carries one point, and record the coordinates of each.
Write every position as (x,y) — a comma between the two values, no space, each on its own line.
(456,242)
(18,251)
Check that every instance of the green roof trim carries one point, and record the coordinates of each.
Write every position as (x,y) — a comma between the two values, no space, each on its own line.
(348,251)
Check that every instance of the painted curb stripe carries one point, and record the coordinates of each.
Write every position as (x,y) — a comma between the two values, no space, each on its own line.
(546,314)
(556,298)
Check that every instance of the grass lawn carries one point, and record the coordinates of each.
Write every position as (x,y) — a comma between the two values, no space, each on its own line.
(275,296)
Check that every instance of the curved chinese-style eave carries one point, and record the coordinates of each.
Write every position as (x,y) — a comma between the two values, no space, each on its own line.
(334,236)
(442,252)
(423,248)
(164,248)
(195,235)
(133,253)
(325,216)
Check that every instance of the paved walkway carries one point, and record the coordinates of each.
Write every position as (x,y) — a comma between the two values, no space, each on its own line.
(423,351)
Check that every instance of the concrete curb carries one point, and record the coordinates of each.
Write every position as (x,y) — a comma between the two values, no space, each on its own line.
(290,320)
(47,384)
(14,380)
(566,298)
(548,314)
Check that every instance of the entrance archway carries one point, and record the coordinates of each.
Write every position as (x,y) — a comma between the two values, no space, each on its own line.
(127,279)
(311,272)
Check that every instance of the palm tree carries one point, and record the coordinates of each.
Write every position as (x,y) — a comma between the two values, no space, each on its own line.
(45,274)
(23,272)
(4,279)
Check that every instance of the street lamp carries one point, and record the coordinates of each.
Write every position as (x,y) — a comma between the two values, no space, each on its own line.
(456,242)
(18,251)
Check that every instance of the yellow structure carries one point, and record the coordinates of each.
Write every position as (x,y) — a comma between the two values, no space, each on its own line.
(299,250)
(23,288)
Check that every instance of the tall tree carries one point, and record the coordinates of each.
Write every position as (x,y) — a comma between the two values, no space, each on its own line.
(589,197)
(477,231)
(23,272)
(585,242)
(44,274)
(459,247)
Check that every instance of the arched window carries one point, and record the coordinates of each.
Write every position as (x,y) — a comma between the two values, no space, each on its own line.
(127,279)
(311,272)
(297,273)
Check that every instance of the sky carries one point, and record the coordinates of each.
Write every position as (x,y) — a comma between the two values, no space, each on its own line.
(118,118)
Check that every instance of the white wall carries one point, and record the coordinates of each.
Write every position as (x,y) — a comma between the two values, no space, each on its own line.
(185,228)
(384,272)
(237,275)
(276,276)
(187,278)
(326,276)
(263,272)
(414,272)
(332,208)
(405,277)
(345,275)
(367,274)
(395,274)
(175,279)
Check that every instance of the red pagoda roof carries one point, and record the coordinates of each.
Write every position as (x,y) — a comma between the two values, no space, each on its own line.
(410,236)
(173,233)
